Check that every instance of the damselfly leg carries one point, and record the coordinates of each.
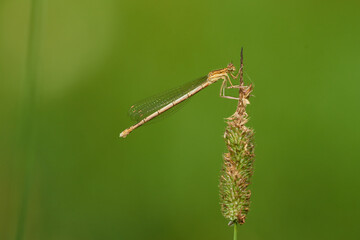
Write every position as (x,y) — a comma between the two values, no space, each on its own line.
(224,86)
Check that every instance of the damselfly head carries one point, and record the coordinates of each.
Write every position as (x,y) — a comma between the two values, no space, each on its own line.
(231,67)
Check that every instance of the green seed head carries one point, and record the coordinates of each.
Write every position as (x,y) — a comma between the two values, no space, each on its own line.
(238,163)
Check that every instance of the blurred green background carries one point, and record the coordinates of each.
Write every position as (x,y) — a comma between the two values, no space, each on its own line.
(96,58)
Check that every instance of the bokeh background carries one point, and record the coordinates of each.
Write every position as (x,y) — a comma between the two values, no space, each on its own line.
(65,173)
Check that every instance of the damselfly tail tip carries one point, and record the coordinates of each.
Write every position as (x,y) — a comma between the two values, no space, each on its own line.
(123,134)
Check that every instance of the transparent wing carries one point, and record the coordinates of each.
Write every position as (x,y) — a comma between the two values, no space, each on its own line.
(146,107)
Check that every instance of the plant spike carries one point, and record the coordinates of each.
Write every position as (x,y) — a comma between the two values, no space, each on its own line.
(238,161)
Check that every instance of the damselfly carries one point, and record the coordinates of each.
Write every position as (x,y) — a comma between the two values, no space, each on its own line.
(152,107)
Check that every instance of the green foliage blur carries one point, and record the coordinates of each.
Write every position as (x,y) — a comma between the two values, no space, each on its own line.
(161,182)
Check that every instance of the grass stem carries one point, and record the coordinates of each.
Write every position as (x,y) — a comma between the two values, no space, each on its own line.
(29,110)
(235,231)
